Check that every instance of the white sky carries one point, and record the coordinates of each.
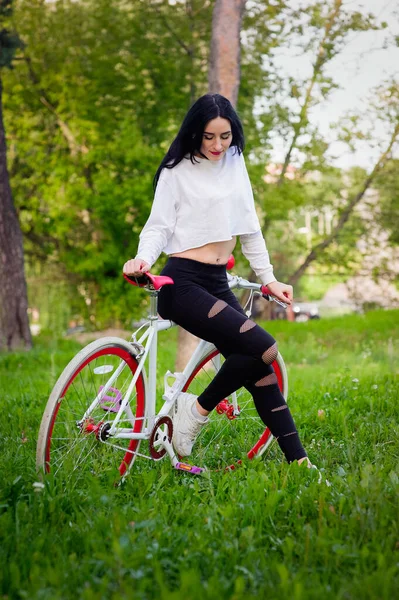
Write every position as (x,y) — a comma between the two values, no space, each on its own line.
(361,66)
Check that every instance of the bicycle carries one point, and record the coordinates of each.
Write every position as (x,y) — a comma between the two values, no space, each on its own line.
(103,406)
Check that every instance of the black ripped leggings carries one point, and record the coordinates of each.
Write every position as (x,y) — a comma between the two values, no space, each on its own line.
(201,302)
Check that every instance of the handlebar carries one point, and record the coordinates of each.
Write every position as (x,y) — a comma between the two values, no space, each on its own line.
(236,282)
(155,282)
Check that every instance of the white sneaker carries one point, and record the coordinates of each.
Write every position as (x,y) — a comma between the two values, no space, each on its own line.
(186,426)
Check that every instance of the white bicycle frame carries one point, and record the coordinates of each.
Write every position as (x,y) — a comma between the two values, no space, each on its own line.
(147,346)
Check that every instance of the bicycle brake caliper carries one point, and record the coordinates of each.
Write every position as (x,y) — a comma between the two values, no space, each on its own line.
(139,347)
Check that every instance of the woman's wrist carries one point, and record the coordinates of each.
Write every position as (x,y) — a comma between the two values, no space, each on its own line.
(268,278)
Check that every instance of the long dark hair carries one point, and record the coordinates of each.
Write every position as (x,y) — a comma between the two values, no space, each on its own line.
(189,138)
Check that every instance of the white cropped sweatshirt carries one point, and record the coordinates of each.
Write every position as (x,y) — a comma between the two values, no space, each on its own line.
(201,203)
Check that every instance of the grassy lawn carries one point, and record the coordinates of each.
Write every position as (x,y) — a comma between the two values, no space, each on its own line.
(267,530)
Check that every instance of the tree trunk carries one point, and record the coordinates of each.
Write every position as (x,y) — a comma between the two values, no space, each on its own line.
(224,70)
(14,324)
(224,78)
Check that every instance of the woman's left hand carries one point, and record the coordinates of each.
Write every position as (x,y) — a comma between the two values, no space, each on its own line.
(281,291)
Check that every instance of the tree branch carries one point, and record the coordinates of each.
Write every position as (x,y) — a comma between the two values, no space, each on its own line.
(320,60)
(74,147)
(314,253)
(169,28)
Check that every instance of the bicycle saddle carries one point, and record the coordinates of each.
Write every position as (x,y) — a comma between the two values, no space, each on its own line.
(155,281)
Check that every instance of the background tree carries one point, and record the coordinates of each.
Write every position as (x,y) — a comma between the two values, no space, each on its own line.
(14,324)
(320,30)
(99,93)
(84,154)
(384,107)
(347,210)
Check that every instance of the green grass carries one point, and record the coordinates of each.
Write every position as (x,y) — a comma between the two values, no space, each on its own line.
(267,530)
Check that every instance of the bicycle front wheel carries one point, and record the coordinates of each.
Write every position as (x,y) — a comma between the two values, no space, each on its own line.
(225,442)
(74,439)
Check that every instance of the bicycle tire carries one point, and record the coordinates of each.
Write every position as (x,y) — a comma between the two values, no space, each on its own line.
(71,446)
(224,443)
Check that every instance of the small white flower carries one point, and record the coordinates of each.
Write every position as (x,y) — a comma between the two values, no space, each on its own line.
(355,380)
(38,486)
(374,387)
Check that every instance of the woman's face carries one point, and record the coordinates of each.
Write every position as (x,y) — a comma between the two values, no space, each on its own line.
(216,139)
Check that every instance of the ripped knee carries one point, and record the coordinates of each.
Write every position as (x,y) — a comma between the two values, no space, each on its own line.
(270,355)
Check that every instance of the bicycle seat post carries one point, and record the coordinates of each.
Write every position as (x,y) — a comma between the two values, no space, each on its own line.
(153,315)
(152,375)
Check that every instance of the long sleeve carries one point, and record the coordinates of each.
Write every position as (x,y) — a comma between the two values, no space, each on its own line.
(254,249)
(161,222)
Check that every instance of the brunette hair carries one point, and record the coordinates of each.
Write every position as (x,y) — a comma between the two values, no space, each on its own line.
(189,138)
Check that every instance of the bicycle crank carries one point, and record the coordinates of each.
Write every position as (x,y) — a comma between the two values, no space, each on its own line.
(161,438)
(160,443)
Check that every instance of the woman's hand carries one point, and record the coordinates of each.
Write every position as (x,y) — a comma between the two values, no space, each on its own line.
(135,267)
(281,291)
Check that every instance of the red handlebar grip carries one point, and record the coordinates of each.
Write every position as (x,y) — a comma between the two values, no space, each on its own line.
(265,290)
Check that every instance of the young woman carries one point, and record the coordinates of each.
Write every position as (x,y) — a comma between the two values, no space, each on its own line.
(203,201)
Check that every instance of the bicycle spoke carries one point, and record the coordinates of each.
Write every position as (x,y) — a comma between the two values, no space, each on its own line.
(223,441)
(75,445)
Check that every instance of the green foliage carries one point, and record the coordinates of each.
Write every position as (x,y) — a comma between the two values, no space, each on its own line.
(265,530)
(100,90)
(387,185)
(9,43)
(87,132)
(313,287)
(9,40)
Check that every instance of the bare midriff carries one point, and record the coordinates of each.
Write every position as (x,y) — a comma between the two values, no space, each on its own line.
(216,253)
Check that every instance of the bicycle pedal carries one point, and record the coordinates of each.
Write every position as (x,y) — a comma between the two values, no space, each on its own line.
(112,400)
(189,468)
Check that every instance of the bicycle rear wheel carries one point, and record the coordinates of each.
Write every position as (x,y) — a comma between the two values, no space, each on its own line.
(73,437)
(224,443)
